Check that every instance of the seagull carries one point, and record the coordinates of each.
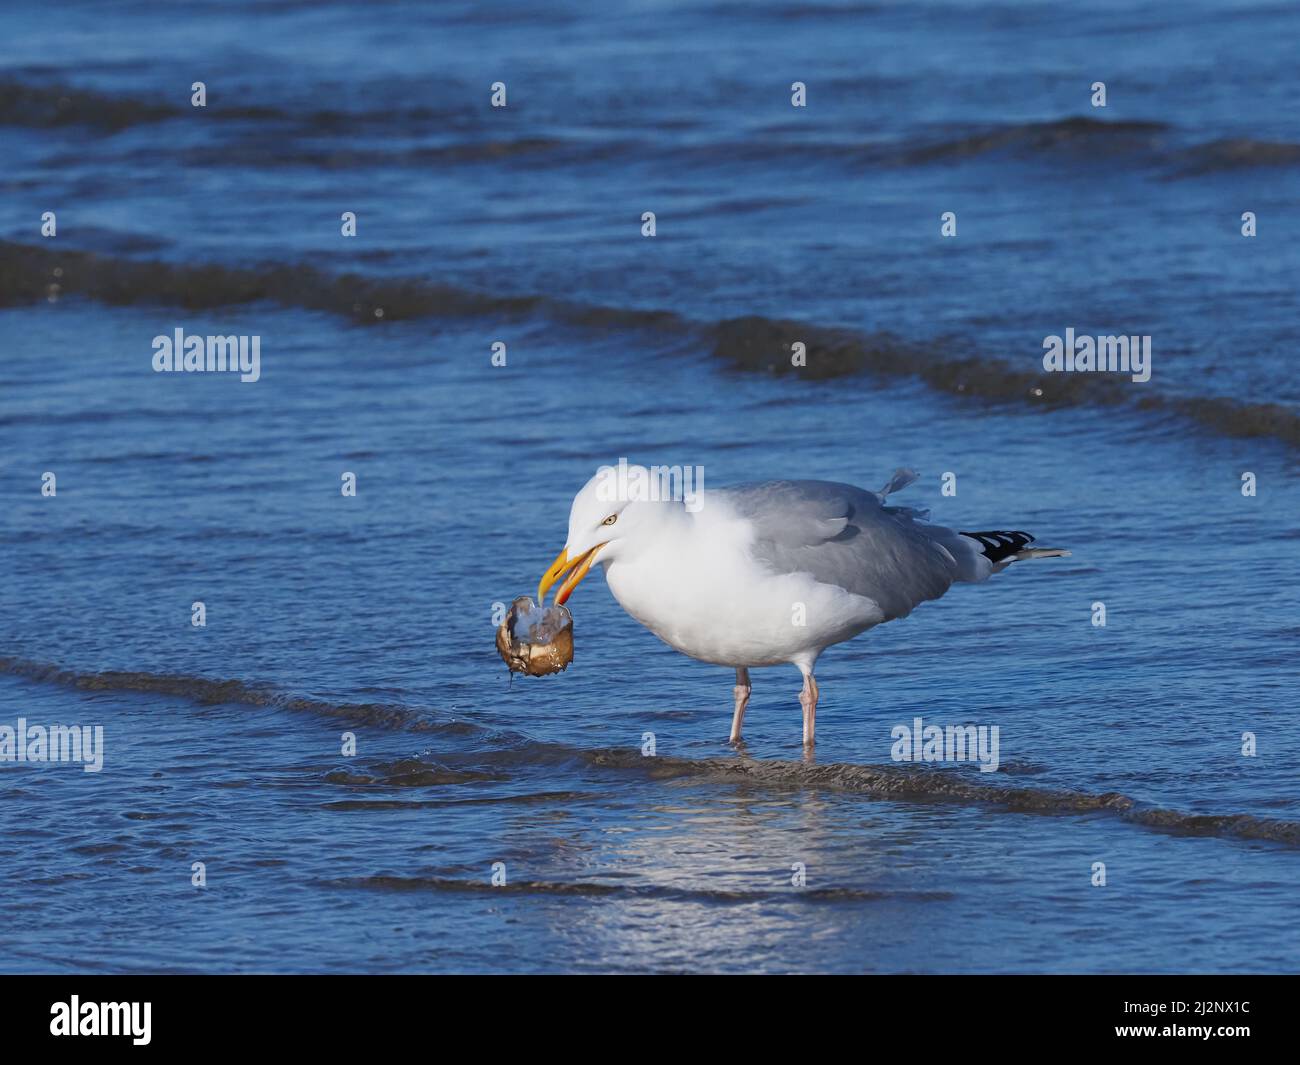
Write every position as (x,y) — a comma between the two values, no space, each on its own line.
(770,573)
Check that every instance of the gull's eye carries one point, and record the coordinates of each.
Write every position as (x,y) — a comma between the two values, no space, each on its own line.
(610,520)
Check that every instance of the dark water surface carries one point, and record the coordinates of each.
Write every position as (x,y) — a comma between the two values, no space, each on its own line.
(373,615)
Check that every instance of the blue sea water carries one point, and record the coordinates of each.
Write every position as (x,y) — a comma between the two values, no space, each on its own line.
(373,615)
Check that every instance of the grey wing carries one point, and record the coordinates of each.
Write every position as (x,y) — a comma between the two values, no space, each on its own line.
(846,536)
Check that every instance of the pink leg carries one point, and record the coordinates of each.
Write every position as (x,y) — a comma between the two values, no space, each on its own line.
(808,700)
(741,691)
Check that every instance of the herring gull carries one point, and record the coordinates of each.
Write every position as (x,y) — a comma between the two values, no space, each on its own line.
(771,573)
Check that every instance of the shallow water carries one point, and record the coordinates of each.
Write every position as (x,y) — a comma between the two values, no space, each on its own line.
(373,615)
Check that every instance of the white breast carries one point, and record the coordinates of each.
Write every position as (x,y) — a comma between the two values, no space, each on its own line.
(698,589)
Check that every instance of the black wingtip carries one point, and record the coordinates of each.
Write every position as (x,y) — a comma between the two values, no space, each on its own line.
(999,546)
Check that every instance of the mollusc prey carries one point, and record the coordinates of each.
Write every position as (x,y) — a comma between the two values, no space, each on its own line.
(534,639)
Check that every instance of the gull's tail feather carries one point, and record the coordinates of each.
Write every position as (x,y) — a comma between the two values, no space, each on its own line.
(1007,547)
(901,479)
(1042,552)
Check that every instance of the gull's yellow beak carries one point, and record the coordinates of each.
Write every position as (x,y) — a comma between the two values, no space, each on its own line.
(562,564)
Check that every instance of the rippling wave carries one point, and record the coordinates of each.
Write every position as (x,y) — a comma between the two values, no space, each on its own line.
(29,273)
(59,105)
(650,891)
(902,782)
